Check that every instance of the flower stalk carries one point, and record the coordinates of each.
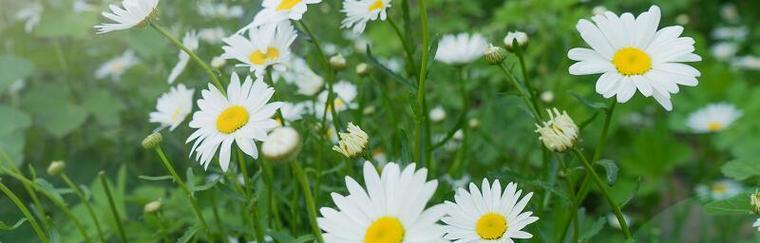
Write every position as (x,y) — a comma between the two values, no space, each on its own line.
(112,204)
(26,212)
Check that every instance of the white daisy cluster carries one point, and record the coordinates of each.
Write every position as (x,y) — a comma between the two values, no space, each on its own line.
(353,142)
(559,133)
(713,118)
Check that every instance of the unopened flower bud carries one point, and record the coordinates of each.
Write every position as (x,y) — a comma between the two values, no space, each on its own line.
(362,69)
(282,144)
(152,206)
(547,96)
(152,140)
(755,201)
(473,123)
(353,142)
(338,62)
(520,37)
(56,167)
(559,133)
(494,55)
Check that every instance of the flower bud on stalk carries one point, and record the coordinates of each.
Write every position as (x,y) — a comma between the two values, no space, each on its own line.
(282,145)
(56,167)
(353,142)
(494,55)
(520,37)
(152,140)
(338,62)
(362,69)
(152,206)
(559,133)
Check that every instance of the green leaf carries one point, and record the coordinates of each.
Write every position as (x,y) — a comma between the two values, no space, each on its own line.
(156,178)
(741,169)
(611,170)
(589,103)
(739,204)
(104,106)
(13,68)
(50,105)
(48,188)
(593,230)
(381,67)
(13,119)
(189,233)
(5,227)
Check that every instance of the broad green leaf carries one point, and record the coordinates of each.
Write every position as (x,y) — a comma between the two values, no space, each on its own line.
(13,68)
(611,170)
(739,204)
(13,119)
(50,105)
(5,227)
(741,169)
(104,106)
(12,144)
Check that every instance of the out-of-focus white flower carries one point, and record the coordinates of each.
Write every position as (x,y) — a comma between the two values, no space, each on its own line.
(519,36)
(379,157)
(212,35)
(330,49)
(116,66)
(613,221)
(16,86)
(547,96)
(345,93)
(299,73)
(729,12)
(218,62)
(173,106)
(713,117)
(353,142)
(724,50)
(719,190)
(746,62)
(359,12)
(191,42)
(394,64)
(559,133)
(682,19)
(30,15)
(81,6)
(267,45)
(457,183)
(293,112)
(133,13)
(461,48)
(757,224)
(282,144)
(730,33)
(220,10)
(278,10)
(437,114)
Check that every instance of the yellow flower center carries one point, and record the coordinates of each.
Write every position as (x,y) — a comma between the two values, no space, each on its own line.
(378,4)
(287,4)
(632,61)
(261,58)
(491,226)
(232,119)
(719,188)
(714,126)
(385,230)
(175,115)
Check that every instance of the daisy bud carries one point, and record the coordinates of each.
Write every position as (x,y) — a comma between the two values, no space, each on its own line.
(56,167)
(353,142)
(755,200)
(559,133)
(437,114)
(473,123)
(282,144)
(338,62)
(495,55)
(520,37)
(362,69)
(152,206)
(547,96)
(152,140)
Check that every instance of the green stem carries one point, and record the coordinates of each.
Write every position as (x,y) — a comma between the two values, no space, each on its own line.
(112,204)
(406,44)
(185,189)
(217,220)
(603,188)
(330,78)
(423,123)
(244,171)
(528,84)
(25,211)
(86,203)
(213,75)
(523,94)
(269,181)
(310,205)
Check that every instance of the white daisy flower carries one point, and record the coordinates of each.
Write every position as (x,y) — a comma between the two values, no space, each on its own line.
(242,117)
(191,42)
(31,16)
(267,45)
(299,73)
(724,50)
(116,66)
(488,216)
(713,117)
(632,54)
(172,107)
(133,13)
(390,209)
(278,10)
(353,142)
(212,35)
(757,224)
(461,49)
(218,62)
(719,190)
(293,112)
(359,12)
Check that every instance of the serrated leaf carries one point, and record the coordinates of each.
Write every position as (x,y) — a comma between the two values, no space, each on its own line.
(189,234)
(610,169)
(741,169)
(5,227)
(13,68)
(739,204)
(156,178)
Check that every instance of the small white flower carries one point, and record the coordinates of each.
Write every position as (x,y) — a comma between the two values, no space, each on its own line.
(299,73)
(547,96)
(719,190)
(559,133)
(241,117)
(457,183)
(730,33)
(724,50)
(191,42)
(520,37)
(488,214)
(389,208)
(267,45)
(632,54)
(278,10)
(345,93)
(282,144)
(173,106)
(212,35)
(133,13)
(461,49)
(359,12)
(713,117)
(31,16)
(746,62)
(353,142)
(116,66)
(437,114)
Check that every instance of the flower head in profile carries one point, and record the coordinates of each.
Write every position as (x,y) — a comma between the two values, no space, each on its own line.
(713,117)
(241,117)
(488,214)
(461,48)
(173,106)
(133,13)
(559,133)
(632,54)
(353,142)
(191,42)
(392,208)
(116,66)
(719,190)
(359,12)
(278,10)
(267,45)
